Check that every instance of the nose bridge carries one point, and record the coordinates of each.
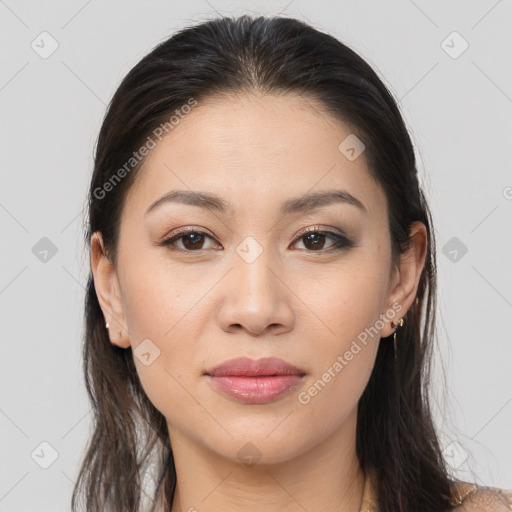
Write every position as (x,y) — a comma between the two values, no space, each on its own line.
(254,268)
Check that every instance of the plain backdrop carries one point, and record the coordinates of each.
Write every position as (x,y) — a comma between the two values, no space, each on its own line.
(448,66)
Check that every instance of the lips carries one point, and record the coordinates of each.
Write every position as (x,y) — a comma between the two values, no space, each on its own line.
(255,382)
(245,367)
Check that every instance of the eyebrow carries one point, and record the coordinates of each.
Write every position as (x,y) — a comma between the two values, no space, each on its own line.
(306,203)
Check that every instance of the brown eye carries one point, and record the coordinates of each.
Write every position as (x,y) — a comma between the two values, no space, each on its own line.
(192,240)
(314,240)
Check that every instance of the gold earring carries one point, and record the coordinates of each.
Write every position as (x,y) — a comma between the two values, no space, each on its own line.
(400,323)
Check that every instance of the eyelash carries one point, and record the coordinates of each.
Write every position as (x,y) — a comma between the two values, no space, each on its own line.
(341,241)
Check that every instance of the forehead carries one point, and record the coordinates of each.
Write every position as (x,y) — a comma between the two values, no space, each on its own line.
(255,149)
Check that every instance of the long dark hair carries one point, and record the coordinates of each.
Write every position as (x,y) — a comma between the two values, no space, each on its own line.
(396,437)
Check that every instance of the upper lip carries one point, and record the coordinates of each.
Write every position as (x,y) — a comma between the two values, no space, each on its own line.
(246,367)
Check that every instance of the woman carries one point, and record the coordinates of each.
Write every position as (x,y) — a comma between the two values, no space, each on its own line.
(261,305)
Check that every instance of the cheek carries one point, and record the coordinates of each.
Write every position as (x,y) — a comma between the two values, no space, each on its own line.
(349,304)
(348,300)
(340,370)
(158,310)
(157,294)
(169,380)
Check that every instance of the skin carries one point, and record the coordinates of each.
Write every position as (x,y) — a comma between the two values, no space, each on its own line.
(302,302)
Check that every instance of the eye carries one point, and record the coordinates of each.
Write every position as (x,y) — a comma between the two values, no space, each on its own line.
(315,238)
(193,240)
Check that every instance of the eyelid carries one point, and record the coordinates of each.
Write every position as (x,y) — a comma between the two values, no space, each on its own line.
(321,229)
(185,230)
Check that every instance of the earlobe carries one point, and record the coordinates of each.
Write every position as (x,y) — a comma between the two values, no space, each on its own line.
(108,292)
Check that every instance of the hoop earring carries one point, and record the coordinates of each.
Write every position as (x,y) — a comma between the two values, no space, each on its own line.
(400,323)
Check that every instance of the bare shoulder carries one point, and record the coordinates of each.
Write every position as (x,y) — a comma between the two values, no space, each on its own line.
(475,498)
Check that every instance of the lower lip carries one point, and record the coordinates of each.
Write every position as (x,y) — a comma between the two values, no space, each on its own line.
(256,390)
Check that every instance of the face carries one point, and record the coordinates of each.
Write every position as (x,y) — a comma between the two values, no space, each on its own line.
(252,279)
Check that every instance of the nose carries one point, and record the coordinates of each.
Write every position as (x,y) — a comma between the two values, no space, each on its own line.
(256,298)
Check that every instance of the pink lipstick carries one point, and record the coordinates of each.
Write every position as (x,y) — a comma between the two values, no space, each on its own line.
(255,381)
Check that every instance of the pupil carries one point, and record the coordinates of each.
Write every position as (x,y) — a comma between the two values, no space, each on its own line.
(193,238)
(312,237)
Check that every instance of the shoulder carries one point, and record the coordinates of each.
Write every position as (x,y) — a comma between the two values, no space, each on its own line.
(475,498)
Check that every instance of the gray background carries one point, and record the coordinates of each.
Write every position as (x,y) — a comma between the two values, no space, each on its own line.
(457,107)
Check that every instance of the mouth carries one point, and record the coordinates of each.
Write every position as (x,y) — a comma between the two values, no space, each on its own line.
(255,382)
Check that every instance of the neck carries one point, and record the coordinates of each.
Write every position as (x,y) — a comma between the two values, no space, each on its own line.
(327,476)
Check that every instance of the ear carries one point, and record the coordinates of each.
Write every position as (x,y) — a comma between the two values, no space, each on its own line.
(406,276)
(108,292)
